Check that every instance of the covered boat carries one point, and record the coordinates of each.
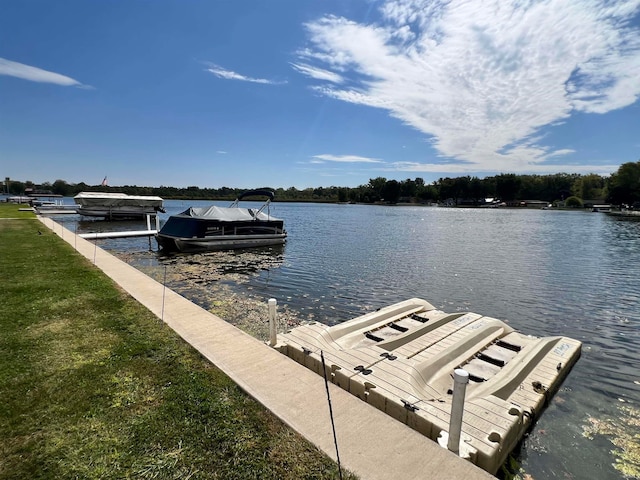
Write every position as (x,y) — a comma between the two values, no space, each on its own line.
(222,228)
(117,206)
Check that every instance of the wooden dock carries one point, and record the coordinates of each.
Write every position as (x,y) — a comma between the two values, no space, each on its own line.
(624,213)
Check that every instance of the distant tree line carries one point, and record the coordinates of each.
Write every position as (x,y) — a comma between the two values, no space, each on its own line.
(622,187)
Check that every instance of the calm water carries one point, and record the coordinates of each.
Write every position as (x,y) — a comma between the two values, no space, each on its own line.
(545,272)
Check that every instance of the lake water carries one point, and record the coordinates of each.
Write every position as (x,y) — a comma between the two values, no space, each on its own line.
(545,272)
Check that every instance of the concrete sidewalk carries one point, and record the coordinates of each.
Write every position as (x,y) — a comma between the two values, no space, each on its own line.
(371,444)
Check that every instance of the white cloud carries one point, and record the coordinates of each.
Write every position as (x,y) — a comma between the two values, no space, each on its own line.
(230,75)
(35,74)
(482,78)
(564,151)
(317,73)
(344,159)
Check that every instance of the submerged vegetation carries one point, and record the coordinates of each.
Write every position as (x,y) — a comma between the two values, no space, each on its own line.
(94,386)
(623,187)
(624,433)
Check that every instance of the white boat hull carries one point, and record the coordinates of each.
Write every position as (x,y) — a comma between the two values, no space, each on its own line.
(116,212)
(115,206)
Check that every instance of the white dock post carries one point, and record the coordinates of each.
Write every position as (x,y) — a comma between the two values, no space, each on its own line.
(460,380)
(273,331)
(148,221)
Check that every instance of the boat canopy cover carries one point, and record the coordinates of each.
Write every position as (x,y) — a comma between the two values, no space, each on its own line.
(102,199)
(256,193)
(226,214)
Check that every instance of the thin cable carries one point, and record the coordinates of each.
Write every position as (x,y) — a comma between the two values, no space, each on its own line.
(333,426)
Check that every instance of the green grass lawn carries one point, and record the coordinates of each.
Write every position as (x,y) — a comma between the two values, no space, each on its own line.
(12,210)
(92,385)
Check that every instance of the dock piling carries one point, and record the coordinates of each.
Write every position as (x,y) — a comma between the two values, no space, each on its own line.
(273,330)
(460,381)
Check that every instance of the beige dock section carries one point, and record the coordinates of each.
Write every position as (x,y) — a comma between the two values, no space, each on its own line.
(371,443)
(401,359)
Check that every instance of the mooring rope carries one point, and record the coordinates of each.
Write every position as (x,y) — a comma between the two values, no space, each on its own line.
(333,425)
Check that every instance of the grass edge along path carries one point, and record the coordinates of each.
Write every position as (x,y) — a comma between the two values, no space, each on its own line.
(94,386)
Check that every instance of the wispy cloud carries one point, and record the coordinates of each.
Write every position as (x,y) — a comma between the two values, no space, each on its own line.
(465,168)
(35,74)
(344,159)
(317,73)
(482,78)
(220,72)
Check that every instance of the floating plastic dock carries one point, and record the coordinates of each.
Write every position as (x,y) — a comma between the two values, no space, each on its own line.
(400,359)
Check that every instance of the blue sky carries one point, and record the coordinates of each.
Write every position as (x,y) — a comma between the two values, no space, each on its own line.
(294,93)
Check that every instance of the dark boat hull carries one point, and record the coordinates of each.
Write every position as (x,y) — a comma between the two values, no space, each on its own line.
(224,242)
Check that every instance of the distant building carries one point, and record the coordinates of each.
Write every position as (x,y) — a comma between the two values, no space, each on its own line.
(593,203)
(35,192)
(528,203)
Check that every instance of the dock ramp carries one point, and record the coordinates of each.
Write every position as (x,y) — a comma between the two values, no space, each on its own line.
(401,358)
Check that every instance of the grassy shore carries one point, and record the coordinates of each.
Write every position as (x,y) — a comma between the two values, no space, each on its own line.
(94,386)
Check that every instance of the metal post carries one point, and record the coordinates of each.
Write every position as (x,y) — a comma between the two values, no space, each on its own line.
(164,289)
(273,330)
(460,380)
(148,221)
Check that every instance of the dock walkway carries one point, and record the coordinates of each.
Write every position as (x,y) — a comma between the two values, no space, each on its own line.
(371,444)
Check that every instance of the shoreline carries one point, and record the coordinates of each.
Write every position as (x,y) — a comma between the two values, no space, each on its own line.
(290,391)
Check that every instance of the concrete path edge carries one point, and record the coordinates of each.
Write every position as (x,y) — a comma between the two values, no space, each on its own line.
(371,444)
